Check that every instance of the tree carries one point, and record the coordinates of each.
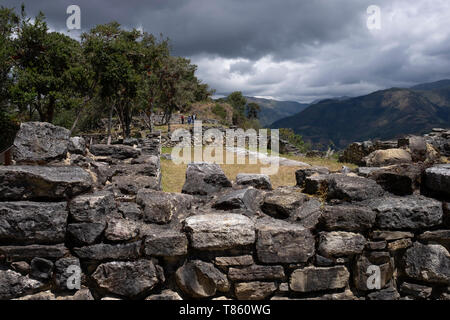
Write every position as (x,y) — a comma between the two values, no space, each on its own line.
(155,53)
(115,57)
(252,110)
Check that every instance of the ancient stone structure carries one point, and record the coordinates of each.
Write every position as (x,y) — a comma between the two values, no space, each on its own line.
(89,224)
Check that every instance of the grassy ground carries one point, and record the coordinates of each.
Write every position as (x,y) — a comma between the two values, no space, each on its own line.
(173,176)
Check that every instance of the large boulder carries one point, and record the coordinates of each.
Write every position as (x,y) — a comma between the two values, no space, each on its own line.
(166,244)
(236,199)
(27,253)
(128,279)
(338,244)
(401,180)
(352,188)
(417,147)
(130,185)
(411,212)
(380,158)
(302,174)
(115,151)
(40,143)
(356,152)
(318,279)
(103,251)
(13,284)
(437,180)
(98,207)
(42,183)
(77,145)
(258,181)
(283,202)
(219,231)
(283,242)
(347,218)
(256,273)
(160,207)
(204,179)
(199,279)
(428,263)
(255,290)
(32,222)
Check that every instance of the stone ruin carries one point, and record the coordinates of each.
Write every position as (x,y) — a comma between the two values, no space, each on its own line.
(84,222)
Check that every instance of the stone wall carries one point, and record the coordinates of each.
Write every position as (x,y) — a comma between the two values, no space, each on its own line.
(100,212)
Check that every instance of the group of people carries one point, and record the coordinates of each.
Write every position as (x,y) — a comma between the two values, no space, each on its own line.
(190,120)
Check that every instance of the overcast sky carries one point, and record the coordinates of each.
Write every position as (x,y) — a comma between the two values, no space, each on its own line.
(299,50)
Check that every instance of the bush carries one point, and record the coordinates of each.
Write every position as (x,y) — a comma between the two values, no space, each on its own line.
(219,111)
(294,139)
(8,132)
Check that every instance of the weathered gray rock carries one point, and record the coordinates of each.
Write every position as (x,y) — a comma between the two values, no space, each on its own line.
(258,181)
(42,183)
(40,143)
(361,275)
(237,261)
(318,279)
(385,294)
(428,263)
(160,207)
(82,234)
(128,279)
(302,174)
(256,273)
(63,273)
(416,290)
(166,244)
(337,244)
(316,184)
(26,222)
(204,179)
(121,230)
(236,199)
(411,212)
(380,158)
(347,218)
(13,284)
(308,214)
(401,180)
(352,188)
(441,237)
(102,251)
(254,290)
(390,235)
(437,179)
(283,202)
(22,267)
(20,253)
(114,151)
(200,279)
(41,269)
(165,295)
(416,145)
(77,145)
(401,244)
(93,208)
(130,211)
(283,242)
(219,231)
(130,185)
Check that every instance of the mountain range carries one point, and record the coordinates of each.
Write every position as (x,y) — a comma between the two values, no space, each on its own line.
(273,110)
(384,114)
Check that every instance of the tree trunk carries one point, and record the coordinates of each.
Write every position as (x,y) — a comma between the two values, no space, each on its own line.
(110,123)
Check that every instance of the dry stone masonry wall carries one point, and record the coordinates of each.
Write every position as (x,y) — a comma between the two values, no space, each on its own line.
(92,223)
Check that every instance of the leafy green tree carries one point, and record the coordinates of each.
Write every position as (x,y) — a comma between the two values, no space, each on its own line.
(252,110)
(45,63)
(115,57)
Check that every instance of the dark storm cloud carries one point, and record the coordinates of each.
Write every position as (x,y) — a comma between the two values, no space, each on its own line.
(287,49)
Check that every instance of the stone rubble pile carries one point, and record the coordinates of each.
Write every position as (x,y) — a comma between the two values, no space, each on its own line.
(80,223)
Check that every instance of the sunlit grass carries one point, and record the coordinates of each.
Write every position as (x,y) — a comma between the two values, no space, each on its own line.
(174,176)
